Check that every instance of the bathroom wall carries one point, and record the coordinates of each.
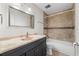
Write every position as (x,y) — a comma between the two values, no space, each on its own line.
(45,24)
(61,27)
(77,27)
(6,30)
(77,22)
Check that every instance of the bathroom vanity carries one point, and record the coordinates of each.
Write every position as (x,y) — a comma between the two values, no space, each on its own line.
(32,47)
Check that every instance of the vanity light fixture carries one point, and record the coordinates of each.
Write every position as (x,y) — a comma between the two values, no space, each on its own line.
(16,5)
(29,9)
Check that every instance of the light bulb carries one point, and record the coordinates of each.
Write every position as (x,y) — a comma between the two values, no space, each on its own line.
(29,9)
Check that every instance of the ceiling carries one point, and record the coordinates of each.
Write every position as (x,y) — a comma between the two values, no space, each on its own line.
(55,7)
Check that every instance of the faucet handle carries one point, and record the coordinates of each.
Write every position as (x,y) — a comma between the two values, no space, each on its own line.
(27,34)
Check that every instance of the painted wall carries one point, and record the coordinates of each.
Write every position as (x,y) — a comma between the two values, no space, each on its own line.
(62,20)
(45,24)
(77,22)
(77,26)
(5,30)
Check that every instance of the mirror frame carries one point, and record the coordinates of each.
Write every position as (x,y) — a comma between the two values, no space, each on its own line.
(32,23)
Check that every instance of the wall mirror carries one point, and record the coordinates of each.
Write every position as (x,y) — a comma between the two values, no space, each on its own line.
(0,18)
(20,18)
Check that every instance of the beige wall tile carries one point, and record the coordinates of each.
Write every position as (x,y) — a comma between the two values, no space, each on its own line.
(62,20)
(61,34)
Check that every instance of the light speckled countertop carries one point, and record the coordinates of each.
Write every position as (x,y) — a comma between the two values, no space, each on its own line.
(6,45)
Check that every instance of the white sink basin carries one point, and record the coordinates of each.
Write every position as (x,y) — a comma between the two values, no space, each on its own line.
(11,42)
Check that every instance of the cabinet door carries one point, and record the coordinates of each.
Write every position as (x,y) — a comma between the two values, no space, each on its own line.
(44,50)
(40,50)
(30,52)
(24,54)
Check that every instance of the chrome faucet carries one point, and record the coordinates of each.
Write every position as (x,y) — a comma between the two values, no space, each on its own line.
(27,34)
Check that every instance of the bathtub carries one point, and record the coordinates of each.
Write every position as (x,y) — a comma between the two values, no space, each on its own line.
(61,46)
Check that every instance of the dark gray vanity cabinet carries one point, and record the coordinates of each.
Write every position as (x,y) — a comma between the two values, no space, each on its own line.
(36,48)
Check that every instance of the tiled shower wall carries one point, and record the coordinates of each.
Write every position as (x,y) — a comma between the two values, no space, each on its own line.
(60,27)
